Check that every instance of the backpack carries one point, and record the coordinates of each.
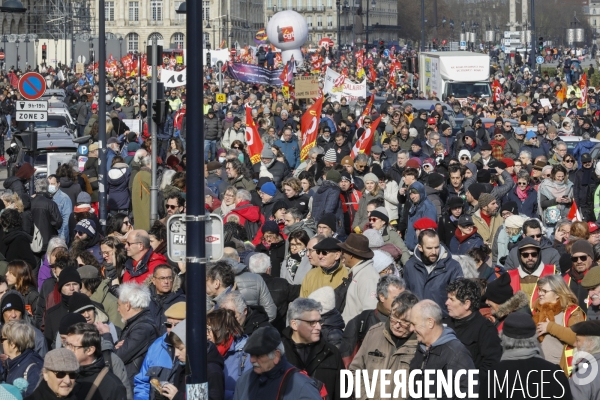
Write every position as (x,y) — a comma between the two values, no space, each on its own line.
(341,292)
(214,187)
(37,242)
(288,375)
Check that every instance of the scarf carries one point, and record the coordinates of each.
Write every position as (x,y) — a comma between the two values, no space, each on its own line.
(520,354)
(554,190)
(578,276)
(224,347)
(225,209)
(522,194)
(461,238)
(546,311)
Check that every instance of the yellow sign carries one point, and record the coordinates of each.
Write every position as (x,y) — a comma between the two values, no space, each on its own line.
(179,59)
(221,98)
(79,68)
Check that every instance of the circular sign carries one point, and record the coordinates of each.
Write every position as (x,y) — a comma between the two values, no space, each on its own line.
(539,59)
(1,55)
(32,85)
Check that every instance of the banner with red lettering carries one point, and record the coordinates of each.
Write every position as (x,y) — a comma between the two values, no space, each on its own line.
(582,103)
(253,141)
(496,90)
(309,127)
(364,144)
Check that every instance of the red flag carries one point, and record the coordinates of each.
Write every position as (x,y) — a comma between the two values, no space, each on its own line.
(497,90)
(574,214)
(309,126)
(372,73)
(392,80)
(253,142)
(366,111)
(582,103)
(364,144)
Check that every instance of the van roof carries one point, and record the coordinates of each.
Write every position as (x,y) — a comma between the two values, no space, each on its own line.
(455,54)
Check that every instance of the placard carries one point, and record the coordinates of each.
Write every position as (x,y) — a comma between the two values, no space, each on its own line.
(306,87)
(79,68)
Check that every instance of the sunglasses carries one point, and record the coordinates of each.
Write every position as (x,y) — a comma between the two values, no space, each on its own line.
(236,147)
(373,219)
(530,255)
(171,207)
(465,158)
(569,161)
(579,258)
(521,184)
(323,252)
(536,236)
(62,374)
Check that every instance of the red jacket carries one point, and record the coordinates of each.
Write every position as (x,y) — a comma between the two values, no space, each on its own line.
(138,271)
(245,211)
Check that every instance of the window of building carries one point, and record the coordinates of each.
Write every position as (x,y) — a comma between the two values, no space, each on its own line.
(330,3)
(134,10)
(319,4)
(280,4)
(205,10)
(133,40)
(206,39)
(178,40)
(289,4)
(329,21)
(156,8)
(181,17)
(309,5)
(319,20)
(309,21)
(109,11)
(155,36)
(270,4)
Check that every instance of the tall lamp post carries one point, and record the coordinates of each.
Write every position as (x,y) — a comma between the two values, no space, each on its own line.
(55,51)
(120,47)
(373,4)
(26,51)
(37,43)
(422,25)
(339,27)
(17,46)
(4,41)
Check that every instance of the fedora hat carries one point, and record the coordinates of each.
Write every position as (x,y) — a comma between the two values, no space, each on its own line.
(357,245)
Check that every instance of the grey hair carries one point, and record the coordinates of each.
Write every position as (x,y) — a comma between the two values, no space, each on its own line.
(525,153)
(41,185)
(167,178)
(139,154)
(561,143)
(403,303)
(524,174)
(361,157)
(138,296)
(55,243)
(284,112)
(468,265)
(236,299)
(389,280)
(594,344)
(230,253)
(509,343)
(294,212)
(562,223)
(279,348)
(315,150)
(585,136)
(233,152)
(433,135)
(300,306)
(243,195)
(259,263)
(430,309)
(403,152)
(146,161)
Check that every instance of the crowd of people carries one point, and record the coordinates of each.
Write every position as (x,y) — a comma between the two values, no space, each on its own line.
(450,244)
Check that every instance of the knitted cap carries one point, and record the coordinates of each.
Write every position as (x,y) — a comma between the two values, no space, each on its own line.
(375,238)
(381,260)
(333,176)
(67,275)
(325,296)
(485,199)
(370,177)
(330,156)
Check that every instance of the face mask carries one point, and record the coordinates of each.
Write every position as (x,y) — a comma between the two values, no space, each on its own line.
(221,160)
(241,157)
(515,237)
(52,189)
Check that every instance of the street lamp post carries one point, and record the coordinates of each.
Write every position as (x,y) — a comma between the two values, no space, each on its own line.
(91,43)
(55,51)
(26,51)
(37,43)
(120,47)
(422,25)
(4,41)
(339,27)
(17,45)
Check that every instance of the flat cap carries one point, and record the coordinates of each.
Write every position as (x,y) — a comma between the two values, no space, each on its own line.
(61,360)
(465,220)
(263,341)
(587,328)
(330,244)
(591,280)
(176,311)
(88,272)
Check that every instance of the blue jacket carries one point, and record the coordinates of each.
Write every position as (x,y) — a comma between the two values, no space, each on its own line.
(327,201)
(159,357)
(236,363)
(534,150)
(65,207)
(460,249)
(110,154)
(432,285)
(585,146)
(529,207)
(16,368)
(290,150)
(117,181)
(424,209)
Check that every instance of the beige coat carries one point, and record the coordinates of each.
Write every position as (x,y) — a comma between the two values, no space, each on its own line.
(488,233)
(363,296)
(379,338)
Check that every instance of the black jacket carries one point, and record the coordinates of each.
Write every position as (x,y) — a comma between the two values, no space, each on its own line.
(110,388)
(43,392)
(283,293)
(320,360)
(46,216)
(276,253)
(332,327)
(447,228)
(160,304)
(52,320)
(279,170)
(15,368)
(16,246)
(256,318)
(139,333)
(16,185)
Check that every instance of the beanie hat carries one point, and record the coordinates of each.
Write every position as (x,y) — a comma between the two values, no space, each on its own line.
(269,188)
(378,171)
(515,221)
(499,290)
(180,330)
(375,238)
(325,296)
(329,220)
(330,156)
(509,162)
(583,246)
(84,197)
(413,132)
(425,223)
(79,302)
(485,199)
(416,142)
(236,120)
(455,202)
(412,163)
(389,129)
(67,275)
(211,166)
(381,213)
(510,206)
(267,153)
(371,177)
(381,260)
(279,204)
(61,360)
(519,326)
(333,176)
(14,391)
(12,301)
(476,190)
(498,119)
(68,321)
(434,180)
(530,135)
(592,279)
(464,153)
(484,176)
(270,226)
(86,226)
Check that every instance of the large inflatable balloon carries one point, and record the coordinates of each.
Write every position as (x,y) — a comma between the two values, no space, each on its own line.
(287,30)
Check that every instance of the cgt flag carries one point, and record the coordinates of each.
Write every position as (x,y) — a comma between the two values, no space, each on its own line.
(364,144)
(309,126)
(496,90)
(366,111)
(253,141)
(582,103)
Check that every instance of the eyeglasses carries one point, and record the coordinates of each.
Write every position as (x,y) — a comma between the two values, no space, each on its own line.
(170,325)
(312,323)
(542,292)
(236,147)
(164,278)
(62,374)
(71,346)
(530,254)
(465,158)
(522,183)
(171,207)
(569,161)
(323,252)
(79,233)
(130,244)
(508,126)
(394,321)
(579,258)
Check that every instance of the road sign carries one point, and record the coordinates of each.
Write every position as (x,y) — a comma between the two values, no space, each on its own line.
(1,55)
(177,236)
(539,59)
(221,97)
(32,105)
(32,116)
(32,86)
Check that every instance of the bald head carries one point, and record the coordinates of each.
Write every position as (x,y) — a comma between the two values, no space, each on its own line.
(138,243)
(426,321)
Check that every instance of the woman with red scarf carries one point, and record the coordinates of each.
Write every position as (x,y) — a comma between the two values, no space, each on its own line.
(525,195)
(223,329)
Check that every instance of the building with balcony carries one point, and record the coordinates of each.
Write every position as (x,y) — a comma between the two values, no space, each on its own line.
(233,22)
(592,14)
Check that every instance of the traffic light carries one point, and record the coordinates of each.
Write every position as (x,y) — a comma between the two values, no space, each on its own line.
(159,114)
(208,59)
(44,52)
(381,47)
(541,43)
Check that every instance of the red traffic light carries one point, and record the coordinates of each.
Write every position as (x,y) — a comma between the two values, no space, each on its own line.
(43,47)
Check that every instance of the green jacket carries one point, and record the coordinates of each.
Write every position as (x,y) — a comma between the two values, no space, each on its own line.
(103,296)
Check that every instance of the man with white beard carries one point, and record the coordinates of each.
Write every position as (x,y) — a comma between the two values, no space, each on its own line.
(584,381)
(591,282)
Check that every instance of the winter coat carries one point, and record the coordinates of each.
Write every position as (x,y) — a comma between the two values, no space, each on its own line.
(327,201)
(379,338)
(535,151)
(299,202)
(65,207)
(550,255)
(253,386)
(140,199)
(332,328)
(390,195)
(242,183)
(290,150)
(18,186)
(267,208)
(212,128)
(52,320)
(301,272)
(161,303)
(90,170)
(159,361)
(584,146)
(512,147)
(236,363)
(110,387)
(583,194)
(432,285)
(424,209)
(361,215)
(361,297)
(276,253)
(231,135)
(519,302)
(447,228)
(117,179)
(393,237)
(590,391)
(529,207)
(72,189)
(256,318)
(137,336)
(458,247)
(43,392)
(282,294)
(103,296)
(316,278)
(323,361)
(139,271)
(434,196)
(245,211)
(46,216)
(254,290)
(16,246)
(28,361)
(486,231)
(447,353)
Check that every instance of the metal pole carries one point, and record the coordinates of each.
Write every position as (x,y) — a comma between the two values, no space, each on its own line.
(195,249)
(533,36)
(422,25)
(339,30)
(153,132)
(367,30)
(102,170)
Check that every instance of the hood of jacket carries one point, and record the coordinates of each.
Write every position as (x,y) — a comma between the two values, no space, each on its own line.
(333,319)
(14,234)
(65,182)
(517,301)
(119,173)
(328,185)
(448,335)
(256,316)
(251,213)
(421,189)
(443,255)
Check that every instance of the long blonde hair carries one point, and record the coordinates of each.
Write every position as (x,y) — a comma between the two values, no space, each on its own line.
(12,200)
(558,286)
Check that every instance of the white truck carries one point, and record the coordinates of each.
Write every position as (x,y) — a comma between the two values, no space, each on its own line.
(460,73)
